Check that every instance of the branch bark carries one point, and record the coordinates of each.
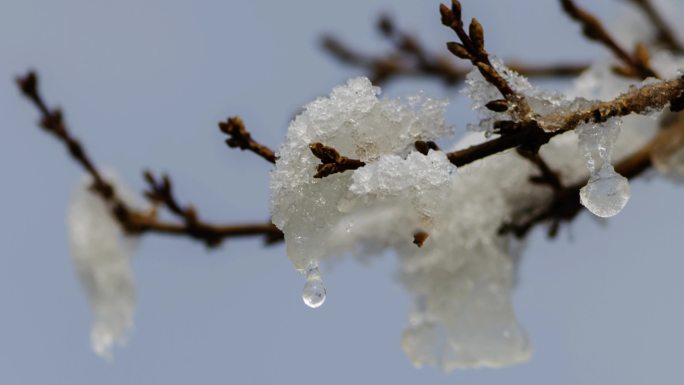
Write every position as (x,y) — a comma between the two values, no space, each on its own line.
(411,59)
(132,221)
(239,137)
(665,36)
(636,65)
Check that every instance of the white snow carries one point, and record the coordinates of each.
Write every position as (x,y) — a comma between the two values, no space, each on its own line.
(461,278)
(101,255)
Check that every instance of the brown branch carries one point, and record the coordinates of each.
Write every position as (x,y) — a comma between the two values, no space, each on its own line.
(546,176)
(331,161)
(418,62)
(648,98)
(132,221)
(665,36)
(526,135)
(161,192)
(636,65)
(382,69)
(565,205)
(529,136)
(550,70)
(239,137)
(52,121)
(472,48)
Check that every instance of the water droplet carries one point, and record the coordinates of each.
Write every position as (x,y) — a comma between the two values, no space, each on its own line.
(314,291)
(606,193)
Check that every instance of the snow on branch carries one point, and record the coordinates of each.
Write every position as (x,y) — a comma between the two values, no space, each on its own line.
(532,134)
(358,174)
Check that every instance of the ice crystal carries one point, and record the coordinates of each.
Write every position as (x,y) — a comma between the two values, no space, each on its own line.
(101,255)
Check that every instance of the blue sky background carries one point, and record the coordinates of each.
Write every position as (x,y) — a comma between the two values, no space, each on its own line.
(144,83)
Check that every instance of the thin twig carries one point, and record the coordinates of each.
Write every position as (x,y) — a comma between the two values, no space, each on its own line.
(565,205)
(636,65)
(161,192)
(546,176)
(418,62)
(665,36)
(472,48)
(239,137)
(530,136)
(132,221)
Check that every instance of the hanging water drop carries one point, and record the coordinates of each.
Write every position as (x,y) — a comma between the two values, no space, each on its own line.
(606,193)
(314,292)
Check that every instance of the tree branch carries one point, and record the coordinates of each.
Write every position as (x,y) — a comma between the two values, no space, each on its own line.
(530,135)
(636,65)
(665,36)
(132,221)
(472,48)
(240,138)
(546,175)
(411,59)
(565,205)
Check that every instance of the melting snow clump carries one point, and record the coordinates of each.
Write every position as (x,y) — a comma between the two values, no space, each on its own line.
(101,255)
(462,277)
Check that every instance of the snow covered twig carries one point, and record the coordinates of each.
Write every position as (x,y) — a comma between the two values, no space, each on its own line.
(358,174)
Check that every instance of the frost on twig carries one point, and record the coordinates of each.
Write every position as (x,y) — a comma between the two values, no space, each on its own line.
(101,253)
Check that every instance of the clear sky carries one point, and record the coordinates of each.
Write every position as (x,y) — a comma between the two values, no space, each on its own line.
(144,82)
